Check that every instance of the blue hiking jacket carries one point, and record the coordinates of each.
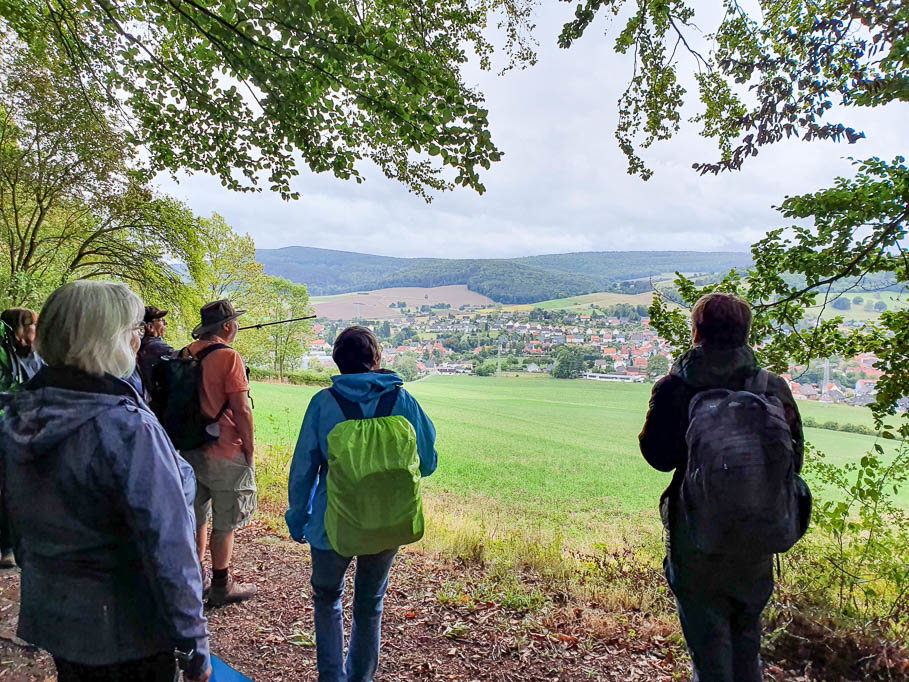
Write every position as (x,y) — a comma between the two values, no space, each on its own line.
(306,487)
(101,509)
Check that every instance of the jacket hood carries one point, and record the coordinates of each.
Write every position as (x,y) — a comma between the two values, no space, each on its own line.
(33,423)
(367,386)
(709,367)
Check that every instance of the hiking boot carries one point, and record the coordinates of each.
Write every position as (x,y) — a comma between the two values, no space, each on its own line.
(230,592)
(206,583)
(7,560)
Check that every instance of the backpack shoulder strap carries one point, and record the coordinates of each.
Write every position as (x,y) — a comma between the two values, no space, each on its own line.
(350,409)
(199,357)
(387,403)
(757,383)
(202,354)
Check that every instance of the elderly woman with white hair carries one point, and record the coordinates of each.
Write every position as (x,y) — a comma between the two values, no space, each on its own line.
(100,502)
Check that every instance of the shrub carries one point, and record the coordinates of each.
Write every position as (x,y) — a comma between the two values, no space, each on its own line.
(811,422)
(855,558)
(304,378)
(842,304)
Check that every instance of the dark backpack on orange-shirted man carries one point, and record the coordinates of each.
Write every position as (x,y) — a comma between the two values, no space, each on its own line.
(176,391)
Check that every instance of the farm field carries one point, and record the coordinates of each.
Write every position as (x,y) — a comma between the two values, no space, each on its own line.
(373,305)
(545,456)
(582,303)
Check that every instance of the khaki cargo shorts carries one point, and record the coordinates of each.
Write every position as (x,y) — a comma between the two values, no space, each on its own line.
(225,490)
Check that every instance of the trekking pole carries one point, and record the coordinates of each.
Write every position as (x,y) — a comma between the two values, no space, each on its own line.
(268,324)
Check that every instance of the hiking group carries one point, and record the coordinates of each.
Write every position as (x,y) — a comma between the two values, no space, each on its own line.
(124,461)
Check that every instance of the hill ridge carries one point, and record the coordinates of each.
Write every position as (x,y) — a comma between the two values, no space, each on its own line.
(525,279)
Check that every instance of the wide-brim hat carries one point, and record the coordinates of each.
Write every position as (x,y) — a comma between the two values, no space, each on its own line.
(153,313)
(214,315)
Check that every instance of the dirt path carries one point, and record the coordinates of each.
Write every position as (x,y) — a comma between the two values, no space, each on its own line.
(428,634)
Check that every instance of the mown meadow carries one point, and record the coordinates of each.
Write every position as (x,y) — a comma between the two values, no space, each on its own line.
(535,457)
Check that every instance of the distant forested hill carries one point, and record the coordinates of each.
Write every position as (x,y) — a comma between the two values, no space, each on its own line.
(514,280)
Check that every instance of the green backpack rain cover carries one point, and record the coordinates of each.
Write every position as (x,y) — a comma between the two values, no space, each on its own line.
(373,486)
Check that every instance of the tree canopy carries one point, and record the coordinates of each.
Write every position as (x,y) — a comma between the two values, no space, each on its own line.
(244,89)
(71,206)
(770,75)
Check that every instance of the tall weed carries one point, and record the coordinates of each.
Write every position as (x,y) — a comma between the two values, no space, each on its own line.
(856,559)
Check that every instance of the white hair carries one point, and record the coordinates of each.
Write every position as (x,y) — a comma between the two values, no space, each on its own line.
(88,325)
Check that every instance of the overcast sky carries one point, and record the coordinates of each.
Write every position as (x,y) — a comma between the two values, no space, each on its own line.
(562,185)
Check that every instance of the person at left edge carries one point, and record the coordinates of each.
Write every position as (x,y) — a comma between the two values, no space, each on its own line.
(100,502)
(23,323)
(19,364)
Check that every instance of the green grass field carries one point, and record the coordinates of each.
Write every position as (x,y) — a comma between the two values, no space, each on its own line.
(544,456)
(894,301)
(581,304)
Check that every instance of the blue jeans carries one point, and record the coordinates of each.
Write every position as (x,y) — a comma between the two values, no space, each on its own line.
(720,605)
(370,583)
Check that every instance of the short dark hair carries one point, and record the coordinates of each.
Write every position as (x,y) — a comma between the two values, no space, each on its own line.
(356,350)
(17,318)
(722,320)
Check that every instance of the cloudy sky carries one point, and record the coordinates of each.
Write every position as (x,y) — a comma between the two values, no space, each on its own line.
(562,184)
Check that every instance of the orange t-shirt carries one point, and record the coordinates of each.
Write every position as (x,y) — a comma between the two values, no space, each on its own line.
(223,373)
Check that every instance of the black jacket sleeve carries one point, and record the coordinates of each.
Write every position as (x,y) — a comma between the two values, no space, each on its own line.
(662,439)
(781,389)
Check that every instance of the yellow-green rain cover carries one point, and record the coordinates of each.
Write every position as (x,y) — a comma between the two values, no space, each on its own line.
(373,486)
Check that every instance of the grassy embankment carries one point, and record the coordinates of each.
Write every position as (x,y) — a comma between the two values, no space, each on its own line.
(532,457)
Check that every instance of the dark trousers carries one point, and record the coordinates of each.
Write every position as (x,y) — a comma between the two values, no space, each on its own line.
(6,534)
(720,605)
(158,668)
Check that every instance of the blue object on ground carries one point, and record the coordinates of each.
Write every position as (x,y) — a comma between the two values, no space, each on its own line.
(221,672)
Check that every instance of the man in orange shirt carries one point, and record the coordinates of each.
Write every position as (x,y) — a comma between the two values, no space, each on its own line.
(225,479)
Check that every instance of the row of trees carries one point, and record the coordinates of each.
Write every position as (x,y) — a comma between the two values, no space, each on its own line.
(74,204)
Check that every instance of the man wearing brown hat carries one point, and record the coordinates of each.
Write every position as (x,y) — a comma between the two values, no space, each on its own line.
(225,480)
(153,347)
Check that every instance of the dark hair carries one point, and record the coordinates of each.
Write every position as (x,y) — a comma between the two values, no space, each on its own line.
(356,350)
(721,320)
(17,318)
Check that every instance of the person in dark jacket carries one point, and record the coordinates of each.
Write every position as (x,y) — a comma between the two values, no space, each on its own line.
(719,597)
(153,347)
(23,322)
(100,502)
(18,337)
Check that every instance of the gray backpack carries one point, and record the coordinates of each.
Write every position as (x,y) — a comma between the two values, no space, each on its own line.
(740,493)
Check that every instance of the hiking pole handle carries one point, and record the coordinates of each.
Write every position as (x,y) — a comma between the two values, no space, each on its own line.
(268,324)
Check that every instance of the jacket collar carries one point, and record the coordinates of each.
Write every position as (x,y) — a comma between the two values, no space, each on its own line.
(73,379)
(703,367)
